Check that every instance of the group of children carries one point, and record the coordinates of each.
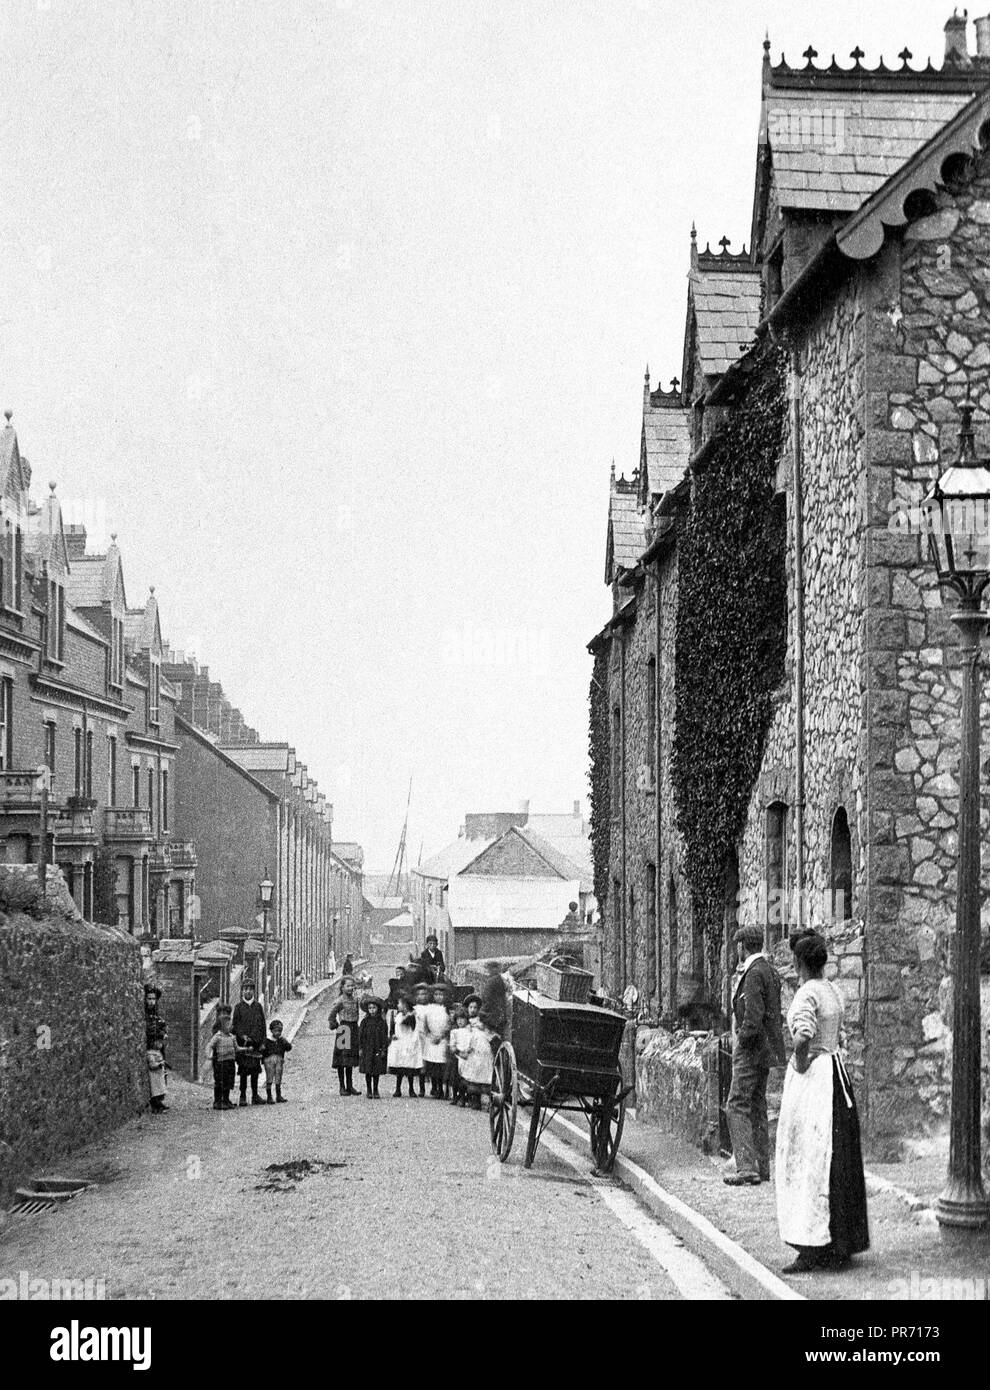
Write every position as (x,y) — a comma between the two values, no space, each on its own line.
(231,1053)
(422,1037)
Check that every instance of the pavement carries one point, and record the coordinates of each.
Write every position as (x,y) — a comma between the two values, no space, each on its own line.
(910,1255)
(342,1197)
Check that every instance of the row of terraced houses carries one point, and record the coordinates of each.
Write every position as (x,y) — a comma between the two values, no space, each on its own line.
(163,809)
(824,380)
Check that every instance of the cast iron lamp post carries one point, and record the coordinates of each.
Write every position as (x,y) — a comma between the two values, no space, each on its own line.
(956,516)
(266,888)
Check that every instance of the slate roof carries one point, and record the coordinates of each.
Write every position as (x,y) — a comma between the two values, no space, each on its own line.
(725,294)
(259,757)
(76,620)
(626,530)
(452,858)
(561,863)
(666,441)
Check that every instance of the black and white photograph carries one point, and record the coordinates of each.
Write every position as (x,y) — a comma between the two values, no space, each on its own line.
(494,698)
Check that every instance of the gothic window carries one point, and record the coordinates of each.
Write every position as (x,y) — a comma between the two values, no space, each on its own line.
(616,760)
(136,784)
(652,932)
(840,868)
(164,812)
(111,769)
(154,692)
(56,621)
(673,941)
(6,722)
(89,764)
(617,935)
(78,769)
(151,797)
(50,727)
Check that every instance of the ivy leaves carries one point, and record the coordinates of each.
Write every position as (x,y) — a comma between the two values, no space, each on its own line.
(730,636)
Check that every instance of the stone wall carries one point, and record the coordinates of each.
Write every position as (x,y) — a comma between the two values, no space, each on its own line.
(72,1028)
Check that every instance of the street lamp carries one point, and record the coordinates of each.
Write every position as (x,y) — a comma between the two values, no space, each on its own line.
(265,888)
(956,516)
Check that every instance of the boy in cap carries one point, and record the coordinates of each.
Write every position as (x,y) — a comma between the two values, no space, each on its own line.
(222,1049)
(274,1049)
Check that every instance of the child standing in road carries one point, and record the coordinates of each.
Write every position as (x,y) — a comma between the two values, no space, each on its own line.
(274,1050)
(405,1053)
(373,1044)
(474,1057)
(344,1025)
(460,1039)
(435,1028)
(222,1049)
(421,1002)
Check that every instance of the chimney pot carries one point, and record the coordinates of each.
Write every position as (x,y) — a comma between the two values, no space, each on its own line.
(983,37)
(955,39)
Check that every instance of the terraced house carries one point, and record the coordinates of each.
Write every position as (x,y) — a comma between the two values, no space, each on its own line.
(84,710)
(775,701)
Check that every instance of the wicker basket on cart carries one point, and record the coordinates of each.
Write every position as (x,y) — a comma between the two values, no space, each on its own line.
(563,982)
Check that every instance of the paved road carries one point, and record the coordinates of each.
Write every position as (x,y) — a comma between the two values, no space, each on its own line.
(404,1201)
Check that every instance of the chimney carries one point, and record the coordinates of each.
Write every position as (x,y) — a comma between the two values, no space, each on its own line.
(983,37)
(75,542)
(955,39)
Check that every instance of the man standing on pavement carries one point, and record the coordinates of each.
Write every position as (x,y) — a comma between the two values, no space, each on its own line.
(249,1028)
(758,1045)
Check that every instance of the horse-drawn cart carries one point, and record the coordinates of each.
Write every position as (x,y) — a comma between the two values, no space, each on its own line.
(563,1056)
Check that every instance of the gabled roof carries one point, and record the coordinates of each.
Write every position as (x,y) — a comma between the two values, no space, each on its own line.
(452,858)
(142,627)
(665,445)
(15,471)
(724,295)
(46,535)
(834,134)
(517,854)
(626,537)
(97,579)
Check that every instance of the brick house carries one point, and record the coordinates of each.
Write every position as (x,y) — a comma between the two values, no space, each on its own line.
(75,699)
(865,287)
(250,806)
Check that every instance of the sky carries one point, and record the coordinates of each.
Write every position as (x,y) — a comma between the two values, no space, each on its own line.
(336,312)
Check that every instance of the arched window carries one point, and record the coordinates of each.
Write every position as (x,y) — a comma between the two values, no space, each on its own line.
(616,760)
(651,718)
(840,867)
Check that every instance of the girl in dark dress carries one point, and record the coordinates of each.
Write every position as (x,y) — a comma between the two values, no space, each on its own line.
(343,1022)
(373,1045)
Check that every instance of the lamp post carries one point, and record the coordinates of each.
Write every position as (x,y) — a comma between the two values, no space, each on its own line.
(265,888)
(956,516)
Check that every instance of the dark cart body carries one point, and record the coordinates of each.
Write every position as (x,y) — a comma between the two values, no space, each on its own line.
(563,1056)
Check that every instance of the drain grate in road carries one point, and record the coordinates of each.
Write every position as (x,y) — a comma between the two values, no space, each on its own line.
(31,1206)
(44,1194)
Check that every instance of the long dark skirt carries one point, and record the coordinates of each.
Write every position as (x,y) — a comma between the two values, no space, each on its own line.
(848,1224)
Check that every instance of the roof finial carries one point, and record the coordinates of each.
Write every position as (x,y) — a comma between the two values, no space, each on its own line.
(694,232)
(905,55)
(151,588)
(725,243)
(52,486)
(113,537)
(857,54)
(612,475)
(646,377)
(766,41)
(7,414)
(810,53)
(674,383)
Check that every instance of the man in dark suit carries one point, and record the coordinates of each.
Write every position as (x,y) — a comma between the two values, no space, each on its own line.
(758,1046)
(249,1027)
(432,959)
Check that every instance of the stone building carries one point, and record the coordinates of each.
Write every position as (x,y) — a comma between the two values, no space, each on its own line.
(81,695)
(865,297)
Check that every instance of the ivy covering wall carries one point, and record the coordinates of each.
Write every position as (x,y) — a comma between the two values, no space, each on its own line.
(599,776)
(731,637)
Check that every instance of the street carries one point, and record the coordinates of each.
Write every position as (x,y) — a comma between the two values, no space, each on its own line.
(331,1197)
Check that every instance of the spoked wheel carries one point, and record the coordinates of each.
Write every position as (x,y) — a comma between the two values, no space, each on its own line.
(504,1101)
(608,1115)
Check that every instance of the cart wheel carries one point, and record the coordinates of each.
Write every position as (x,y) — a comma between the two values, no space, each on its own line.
(504,1101)
(607,1118)
(532,1143)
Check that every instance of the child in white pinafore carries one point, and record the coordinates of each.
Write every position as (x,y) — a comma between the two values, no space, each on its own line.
(474,1059)
(405,1051)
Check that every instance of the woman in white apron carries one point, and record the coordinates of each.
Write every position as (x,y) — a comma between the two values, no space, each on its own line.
(821,1191)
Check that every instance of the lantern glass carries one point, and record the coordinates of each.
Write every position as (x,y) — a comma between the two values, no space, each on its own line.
(266,888)
(955,516)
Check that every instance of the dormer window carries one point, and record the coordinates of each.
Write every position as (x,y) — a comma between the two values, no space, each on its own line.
(56,621)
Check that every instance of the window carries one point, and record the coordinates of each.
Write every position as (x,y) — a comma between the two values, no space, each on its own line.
(117,652)
(652,932)
(651,718)
(151,797)
(154,692)
(6,721)
(629,940)
(617,936)
(776,858)
(124,891)
(50,727)
(56,621)
(136,784)
(616,760)
(111,769)
(164,810)
(18,565)
(89,764)
(840,868)
(78,773)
